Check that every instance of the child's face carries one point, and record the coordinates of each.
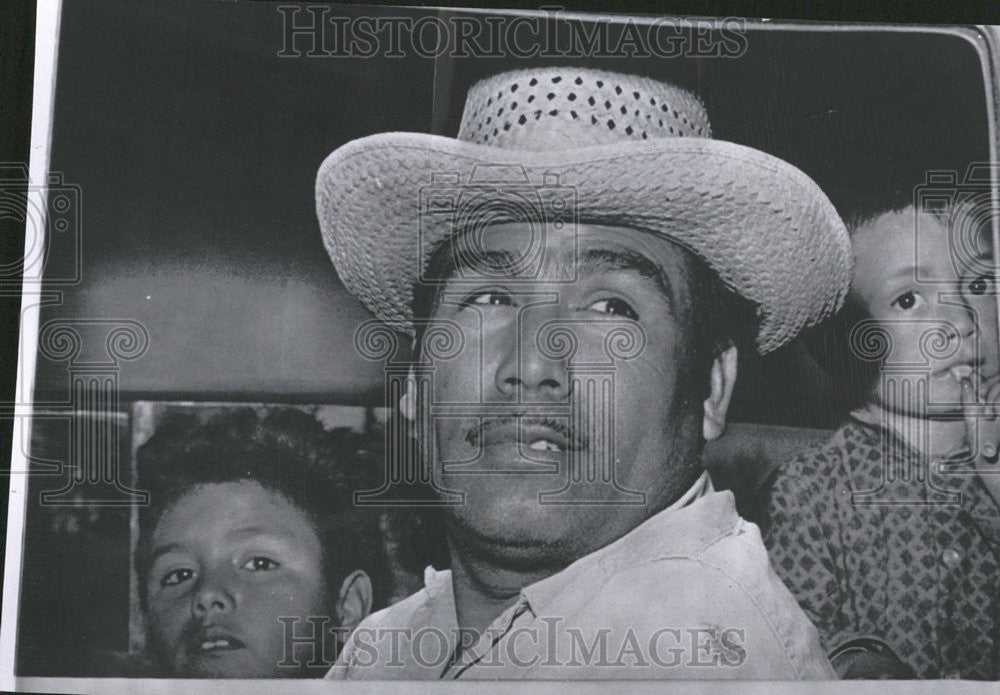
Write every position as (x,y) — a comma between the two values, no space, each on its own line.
(941,321)
(228,560)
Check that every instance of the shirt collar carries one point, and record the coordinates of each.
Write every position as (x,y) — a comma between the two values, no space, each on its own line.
(695,519)
(701,487)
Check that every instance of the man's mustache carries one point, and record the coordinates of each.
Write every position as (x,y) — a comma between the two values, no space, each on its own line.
(478,433)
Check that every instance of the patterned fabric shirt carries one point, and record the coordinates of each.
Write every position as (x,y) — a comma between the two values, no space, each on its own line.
(688,594)
(874,542)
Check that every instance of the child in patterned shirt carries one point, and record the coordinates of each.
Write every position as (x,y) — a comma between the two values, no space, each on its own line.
(888,533)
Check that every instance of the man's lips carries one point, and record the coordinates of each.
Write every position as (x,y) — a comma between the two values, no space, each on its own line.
(540,434)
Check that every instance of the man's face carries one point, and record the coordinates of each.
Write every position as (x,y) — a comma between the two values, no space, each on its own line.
(526,415)
(229,559)
(941,321)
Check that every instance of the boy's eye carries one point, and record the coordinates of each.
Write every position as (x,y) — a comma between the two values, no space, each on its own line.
(260,564)
(178,576)
(907,301)
(980,285)
(489,298)
(614,307)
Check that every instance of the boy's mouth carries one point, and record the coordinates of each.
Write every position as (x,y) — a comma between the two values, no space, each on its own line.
(221,644)
(213,641)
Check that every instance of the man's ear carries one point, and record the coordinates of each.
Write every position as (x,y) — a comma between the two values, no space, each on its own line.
(408,401)
(723,378)
(355,601)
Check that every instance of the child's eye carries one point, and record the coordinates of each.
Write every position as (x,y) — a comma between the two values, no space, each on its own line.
(178,576)
(260,564)
(980,285)
(907,301)
(489,298)
(614,307)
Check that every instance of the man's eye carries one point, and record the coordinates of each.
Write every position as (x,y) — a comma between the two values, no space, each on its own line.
(260,564)
(489,298)
(907,301)
(614,307)
(980,286)
(178,576)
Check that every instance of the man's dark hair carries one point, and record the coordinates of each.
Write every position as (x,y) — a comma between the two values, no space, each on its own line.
(718,317)
(287,452)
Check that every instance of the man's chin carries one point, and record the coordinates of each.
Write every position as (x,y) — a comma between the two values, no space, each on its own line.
(512,523)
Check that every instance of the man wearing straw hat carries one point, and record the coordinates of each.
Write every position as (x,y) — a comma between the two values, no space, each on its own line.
(595,260)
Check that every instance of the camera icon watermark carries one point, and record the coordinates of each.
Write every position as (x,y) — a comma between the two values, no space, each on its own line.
(966,205)
(457,209)
(49,216)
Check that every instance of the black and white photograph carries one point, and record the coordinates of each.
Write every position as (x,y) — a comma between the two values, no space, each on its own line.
(392,345)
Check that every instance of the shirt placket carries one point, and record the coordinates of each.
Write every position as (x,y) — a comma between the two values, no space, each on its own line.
(487,641)
(950,529)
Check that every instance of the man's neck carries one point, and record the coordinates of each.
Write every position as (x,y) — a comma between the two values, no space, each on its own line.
(483,590)
(932,437)
(484,585)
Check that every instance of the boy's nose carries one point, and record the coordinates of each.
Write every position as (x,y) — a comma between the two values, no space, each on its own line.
(961,322)
(212,597)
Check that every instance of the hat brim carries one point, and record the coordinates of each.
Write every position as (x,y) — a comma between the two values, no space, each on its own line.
(764,226)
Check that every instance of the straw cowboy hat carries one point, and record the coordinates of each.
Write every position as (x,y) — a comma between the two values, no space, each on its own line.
(598,147)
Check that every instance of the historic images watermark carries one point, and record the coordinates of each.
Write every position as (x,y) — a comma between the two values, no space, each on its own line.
(549,643)
(317,32)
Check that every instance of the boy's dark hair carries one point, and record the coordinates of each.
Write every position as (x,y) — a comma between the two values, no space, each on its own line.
(829,343)
(853,378)
(718,317)
(287,452)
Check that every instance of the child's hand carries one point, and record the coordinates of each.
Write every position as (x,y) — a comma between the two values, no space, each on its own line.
(982,425)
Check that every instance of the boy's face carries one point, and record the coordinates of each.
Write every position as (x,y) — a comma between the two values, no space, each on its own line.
(227,560)
(940,320)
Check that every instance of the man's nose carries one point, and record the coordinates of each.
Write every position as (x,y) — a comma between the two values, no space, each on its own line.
(214,595)
(526,370)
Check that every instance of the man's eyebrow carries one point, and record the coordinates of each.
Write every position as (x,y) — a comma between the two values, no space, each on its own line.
(591,261)
(493,263)
(606,261)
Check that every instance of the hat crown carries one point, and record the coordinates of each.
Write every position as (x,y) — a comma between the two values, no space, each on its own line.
(555,108)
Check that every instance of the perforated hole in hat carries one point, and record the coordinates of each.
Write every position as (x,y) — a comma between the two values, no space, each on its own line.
(543,109)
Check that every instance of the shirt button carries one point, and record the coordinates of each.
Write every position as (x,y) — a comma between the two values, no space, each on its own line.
(951,558)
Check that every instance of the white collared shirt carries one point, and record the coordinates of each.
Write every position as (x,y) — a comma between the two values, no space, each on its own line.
(687,594)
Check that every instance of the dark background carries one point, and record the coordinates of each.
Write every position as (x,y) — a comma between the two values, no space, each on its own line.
(195,148)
